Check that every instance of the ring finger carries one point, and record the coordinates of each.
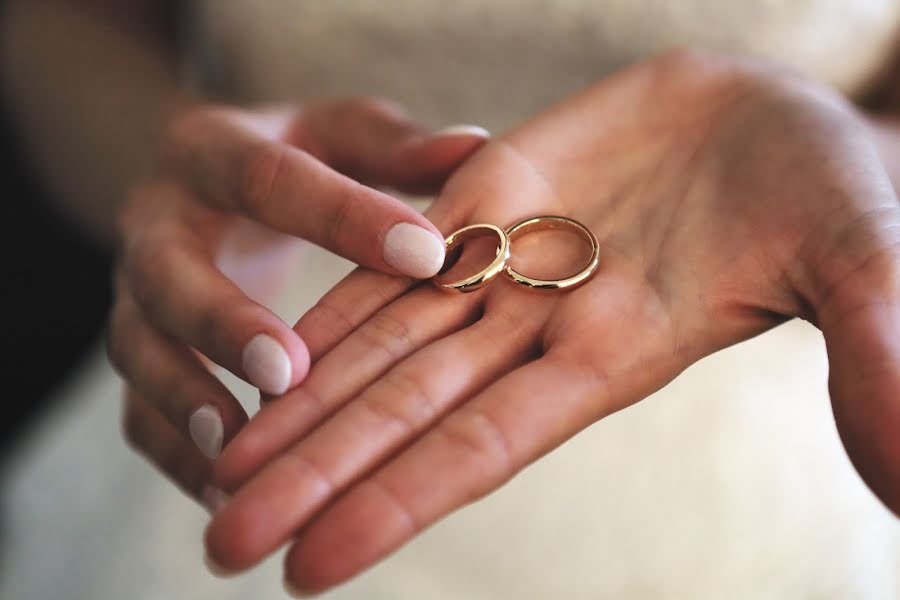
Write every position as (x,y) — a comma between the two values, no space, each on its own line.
(172,380)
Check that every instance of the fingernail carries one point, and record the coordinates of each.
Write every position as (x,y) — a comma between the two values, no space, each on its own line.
(292,590)
(413,251)
(214,499)
(207,430)
(462,130)
(215,568)
(267,365)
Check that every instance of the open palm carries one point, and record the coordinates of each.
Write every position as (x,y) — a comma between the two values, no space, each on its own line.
(727,197)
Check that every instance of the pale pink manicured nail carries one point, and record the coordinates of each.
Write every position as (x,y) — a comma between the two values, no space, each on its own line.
(413,251)
(214,499)
(207,431)
(267,364)
(462,130)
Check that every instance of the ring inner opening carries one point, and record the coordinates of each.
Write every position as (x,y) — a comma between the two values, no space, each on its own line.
(556,253)
(472,254)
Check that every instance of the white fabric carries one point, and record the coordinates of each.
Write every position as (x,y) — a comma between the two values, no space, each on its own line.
(495,62)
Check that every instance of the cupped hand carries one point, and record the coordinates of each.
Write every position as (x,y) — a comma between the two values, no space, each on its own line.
(727,196)
(230,187)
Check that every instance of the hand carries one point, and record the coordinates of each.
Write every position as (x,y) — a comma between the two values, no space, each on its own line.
(727,196)
(232,186)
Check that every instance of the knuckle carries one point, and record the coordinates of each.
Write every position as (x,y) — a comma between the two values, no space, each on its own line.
(147,260)
(311,473)
(707,72)
(212,322)
(261,165)
(325,316)
(507,324)
(479,438)
(170,398)
(864,254)
(388,334)
(400,504)
(158,205)
(179,132)
(339,232)
(408,406)
(188,125)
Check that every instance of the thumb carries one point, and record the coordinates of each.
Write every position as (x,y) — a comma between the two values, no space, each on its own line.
(374,141)
(859,313)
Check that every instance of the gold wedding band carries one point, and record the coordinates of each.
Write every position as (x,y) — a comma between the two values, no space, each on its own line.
(553,222)
(486,275)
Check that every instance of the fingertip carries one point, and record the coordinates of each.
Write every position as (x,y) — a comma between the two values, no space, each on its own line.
(295,591)
(242,457)
(207,430)
(356,532)
(299,577)
(215,568)
(228,542)
(300,362)
(267,364)
(413,250)
(213,499)
(273,366)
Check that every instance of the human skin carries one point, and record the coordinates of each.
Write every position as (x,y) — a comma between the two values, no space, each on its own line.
(728,197)
(175,181)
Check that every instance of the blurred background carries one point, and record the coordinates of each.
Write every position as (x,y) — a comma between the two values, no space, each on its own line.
(730,482)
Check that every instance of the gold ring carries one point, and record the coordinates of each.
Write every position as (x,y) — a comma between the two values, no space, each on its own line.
(485,276)
(552,222)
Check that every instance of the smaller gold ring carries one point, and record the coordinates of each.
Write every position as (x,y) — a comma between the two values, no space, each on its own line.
(553,222)
(486,275)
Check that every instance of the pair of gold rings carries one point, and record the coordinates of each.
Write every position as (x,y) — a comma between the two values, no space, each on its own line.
(499,264)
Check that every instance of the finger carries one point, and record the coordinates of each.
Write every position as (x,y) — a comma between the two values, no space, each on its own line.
(473,451)
(396,409)
(859,313)
(171,379)
(387,338)
(365,354)
(346,306)
(228,161)
(181,292)
(375,141)
(359,296)
(153,437)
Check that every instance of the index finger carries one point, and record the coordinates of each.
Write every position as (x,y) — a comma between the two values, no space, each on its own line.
(235,162)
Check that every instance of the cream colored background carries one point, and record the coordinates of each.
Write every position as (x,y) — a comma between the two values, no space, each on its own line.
(729,483)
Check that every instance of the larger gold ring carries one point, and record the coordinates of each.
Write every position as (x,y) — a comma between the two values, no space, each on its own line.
(486,275)
(552,222)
